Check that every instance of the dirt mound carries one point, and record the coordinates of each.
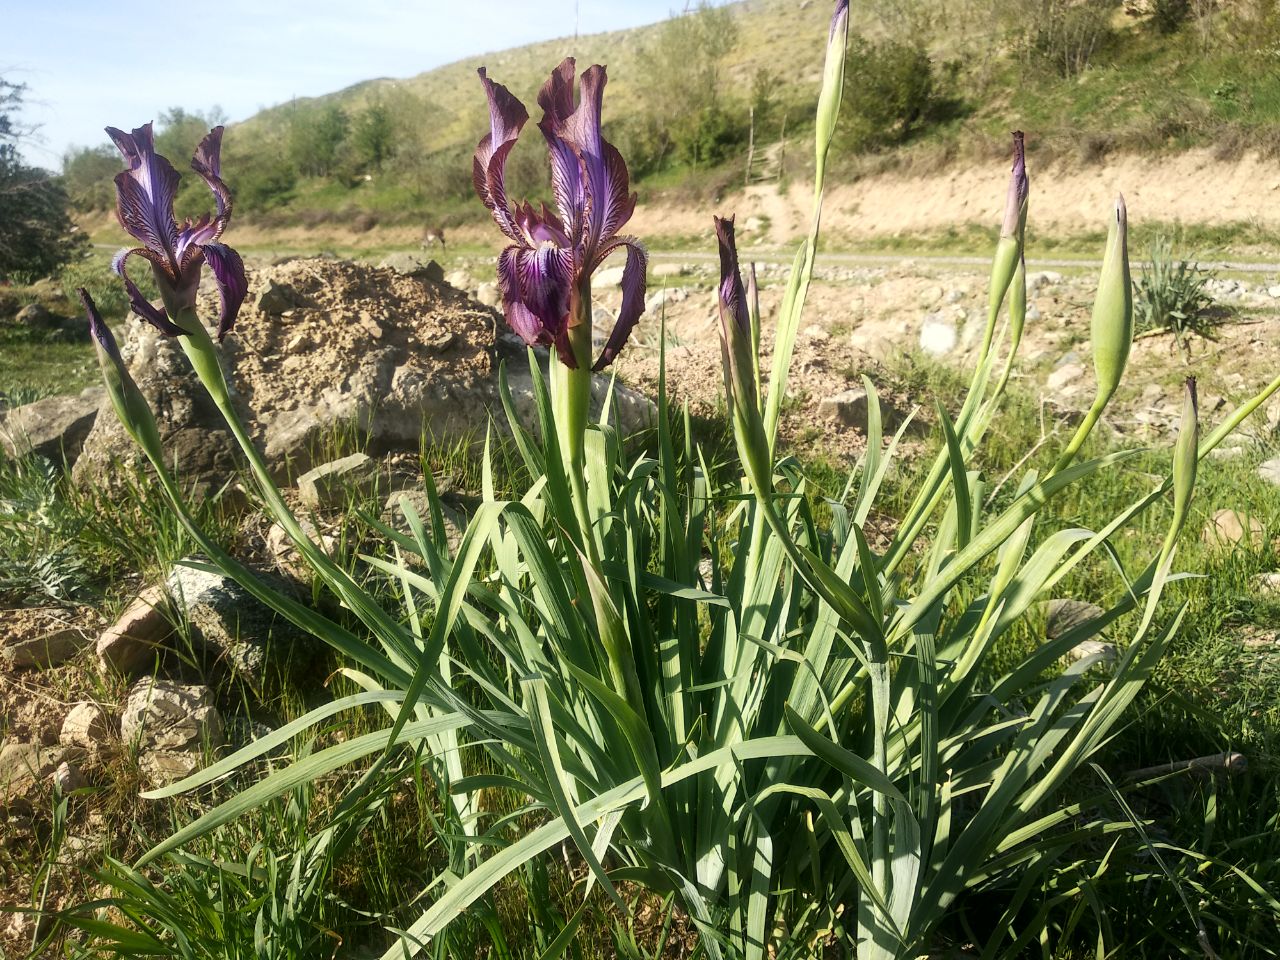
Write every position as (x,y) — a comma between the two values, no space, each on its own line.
(310,327)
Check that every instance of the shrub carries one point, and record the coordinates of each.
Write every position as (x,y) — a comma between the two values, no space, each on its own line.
(87,173)
(892,90)
(1064,35)
(1173,296)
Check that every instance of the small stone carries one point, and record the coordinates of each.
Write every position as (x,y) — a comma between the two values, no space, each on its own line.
(1043,278)
(752,225)
(37,315)
(1033,313)
(955,296)
(438,341)
(848,408)
(455,523)
(411,266)
(1064,615)
(87,725)
(276,299)
(611,277)
(930,296)
(1274,291)
(1232,528)
(23,766)
(47,648)
(69,777)
(1270,470)
(1106,652)
(937,335)
(817,334)
(170,724)
(458,279)
(668,270)
(129,645)
(489,294)
(329,485)
(1268,584)
(1065,379)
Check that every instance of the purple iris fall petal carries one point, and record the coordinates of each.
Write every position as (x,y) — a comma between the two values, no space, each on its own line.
(547,270)
(228,271)
(633,290)
(733,298)
(144,204)
(143,307)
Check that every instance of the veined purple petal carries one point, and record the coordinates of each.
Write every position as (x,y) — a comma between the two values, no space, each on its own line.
(556,100)
(101,332)
(733,299)
(634,282)
(609,204)
(536,285)
(1019,188)
(507,116)
(540,227)
(140,304)
(207,163)
(145,192)
(228,271)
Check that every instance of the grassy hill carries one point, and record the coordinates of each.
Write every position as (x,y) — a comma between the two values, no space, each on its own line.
(929,86)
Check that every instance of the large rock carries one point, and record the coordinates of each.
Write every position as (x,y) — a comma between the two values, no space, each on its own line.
(24,767)
(329,485)
(195,438)
(1064,615)
(226,619)
(86,725)
(55,427)
(1230,528)
(170,725)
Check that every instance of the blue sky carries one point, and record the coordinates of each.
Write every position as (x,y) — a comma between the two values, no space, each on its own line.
(89,63)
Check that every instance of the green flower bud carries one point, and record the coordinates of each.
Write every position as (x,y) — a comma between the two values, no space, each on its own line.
(1186,455)
(1113,309)
(127,400)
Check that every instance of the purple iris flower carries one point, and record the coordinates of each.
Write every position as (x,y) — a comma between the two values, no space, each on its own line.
(144,204)
(545,275)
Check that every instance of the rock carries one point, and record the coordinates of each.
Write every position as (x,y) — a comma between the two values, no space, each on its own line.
(1274,291)
(1106,652)
(1066,379)
(412,266)
(86,726)
(1268,584)
(129,645)
(1270,470)
(489,294)
(54,428)
(937,335)
(276,299)
(39,644)
(170,724)
(329,485)
(1232,528)
(23,766)
(458,279)
(226,619)
(37,316)
(848,408)
(753,225)
(193,433)
(1063,615)
(455,522)
(662,270)
(1033,313)
(609,277)
(930,295)
(69,777)
(1042,278)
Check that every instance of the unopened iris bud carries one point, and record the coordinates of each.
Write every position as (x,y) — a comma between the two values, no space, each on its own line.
(739,361)
(1013,227)
(1113,308)
(832,81)
(127,400)
(1186,454)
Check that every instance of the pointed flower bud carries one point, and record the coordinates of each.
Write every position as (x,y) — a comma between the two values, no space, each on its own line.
(1113,308)
(1012,245)
(130,405)
(1186,454)
(832,82)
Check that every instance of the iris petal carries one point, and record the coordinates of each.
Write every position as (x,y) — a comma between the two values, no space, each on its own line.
(609,202)
(556,100)
(140,304)
(228,271)
(634,283)
(733,300)
(507,116)
(536,286)
(145,193)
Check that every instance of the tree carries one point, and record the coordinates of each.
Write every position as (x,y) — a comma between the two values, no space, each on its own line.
(316,133)
(374,135)
(87,174)
(36,233)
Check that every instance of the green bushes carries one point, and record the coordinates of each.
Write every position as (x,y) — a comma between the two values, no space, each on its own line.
(1172,294)
(892,90)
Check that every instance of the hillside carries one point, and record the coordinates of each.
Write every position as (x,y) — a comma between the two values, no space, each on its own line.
(931,93)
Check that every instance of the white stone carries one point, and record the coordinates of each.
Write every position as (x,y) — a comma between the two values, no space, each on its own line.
(937,336)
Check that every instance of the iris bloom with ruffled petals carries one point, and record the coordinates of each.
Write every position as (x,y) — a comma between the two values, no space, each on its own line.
(144,203)
(545,275)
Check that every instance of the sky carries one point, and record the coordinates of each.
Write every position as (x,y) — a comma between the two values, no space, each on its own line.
(90,63)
